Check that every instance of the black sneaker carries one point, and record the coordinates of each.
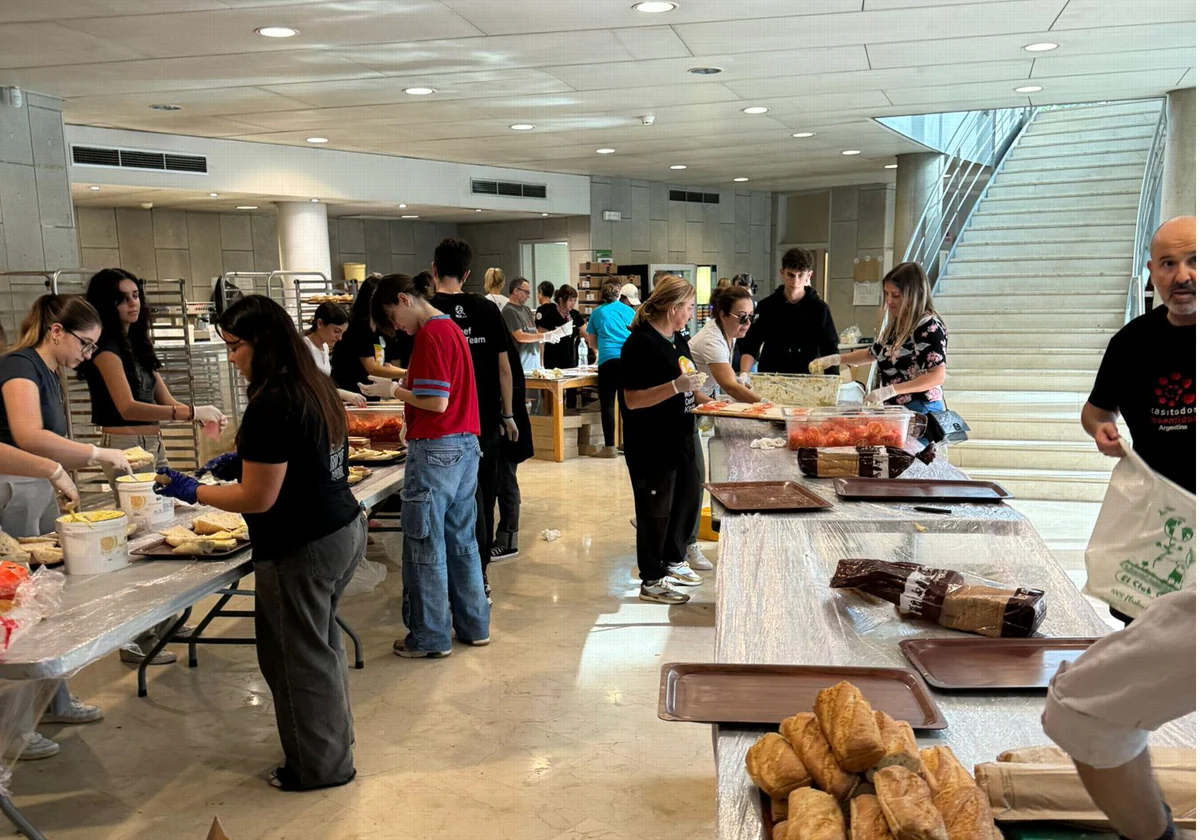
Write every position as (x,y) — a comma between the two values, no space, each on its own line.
(503,555)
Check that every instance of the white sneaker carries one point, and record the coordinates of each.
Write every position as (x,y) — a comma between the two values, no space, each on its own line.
(697,560)
(31,747)
(662,592)
(77,712)
(682,575)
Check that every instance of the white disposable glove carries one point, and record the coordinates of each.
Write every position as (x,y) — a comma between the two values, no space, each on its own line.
(509,426)
(61,481)
(880,395)
(688,382)
(552,337)
(114,458)
(356,400)
(819,365)
(744,380)
(205,414)
(380,386)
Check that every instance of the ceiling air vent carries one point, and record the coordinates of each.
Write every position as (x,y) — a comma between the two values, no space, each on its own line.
(695,197)
(137,159)
(508,189)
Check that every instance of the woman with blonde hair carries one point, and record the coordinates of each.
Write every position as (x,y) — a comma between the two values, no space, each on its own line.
(910,350)
(660,387)
(494,288)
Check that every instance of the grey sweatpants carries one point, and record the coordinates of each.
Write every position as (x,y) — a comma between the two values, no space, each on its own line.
(300,651)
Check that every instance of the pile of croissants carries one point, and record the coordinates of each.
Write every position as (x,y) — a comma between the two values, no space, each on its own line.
(846,759)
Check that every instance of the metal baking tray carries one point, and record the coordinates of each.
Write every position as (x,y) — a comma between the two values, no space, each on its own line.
(766,694)
(997,664)
(919,490)
(766,496)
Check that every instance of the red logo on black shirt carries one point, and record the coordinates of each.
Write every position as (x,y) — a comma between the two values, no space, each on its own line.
(1174,391)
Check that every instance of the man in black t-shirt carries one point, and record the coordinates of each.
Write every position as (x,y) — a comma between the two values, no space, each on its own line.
(487,339)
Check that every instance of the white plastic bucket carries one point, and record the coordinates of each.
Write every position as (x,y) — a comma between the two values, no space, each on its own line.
(139,501)
(92,548)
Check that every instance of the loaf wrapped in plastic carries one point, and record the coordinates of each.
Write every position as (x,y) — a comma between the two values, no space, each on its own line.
(949,598)
(856,462)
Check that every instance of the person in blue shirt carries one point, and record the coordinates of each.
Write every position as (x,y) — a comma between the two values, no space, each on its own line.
(607,329)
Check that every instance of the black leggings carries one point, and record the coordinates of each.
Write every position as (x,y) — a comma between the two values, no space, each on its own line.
(667,504)
(610,384)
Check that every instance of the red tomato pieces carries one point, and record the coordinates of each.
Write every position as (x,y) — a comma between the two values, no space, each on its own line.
(843,431)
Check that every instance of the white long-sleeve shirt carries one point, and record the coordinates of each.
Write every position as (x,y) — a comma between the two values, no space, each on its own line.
(1101,707)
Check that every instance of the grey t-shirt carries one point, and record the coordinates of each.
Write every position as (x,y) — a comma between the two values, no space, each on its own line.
(520,319)
(27,364)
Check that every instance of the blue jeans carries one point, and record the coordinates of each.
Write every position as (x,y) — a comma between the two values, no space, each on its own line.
(442,573)
(922,407)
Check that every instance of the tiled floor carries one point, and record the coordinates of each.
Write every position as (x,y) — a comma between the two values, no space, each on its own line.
(550,733)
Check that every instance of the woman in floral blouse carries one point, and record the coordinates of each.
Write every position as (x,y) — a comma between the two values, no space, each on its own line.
(911,351)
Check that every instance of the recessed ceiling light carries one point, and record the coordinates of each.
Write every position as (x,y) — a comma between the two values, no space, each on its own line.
(315,200)
(276,31)
(890,165)
(705,71)
(478,210)
(800,135)
(606,151)
(545,214)
(410,217)
(401,206)
(214,195)
(94,189)
(740,180)
(166,107)
(1028,89)
(679,166)
(654,7)
(1046,47)
(755,109)
(419,91)
(522,127)
(247,206)
(852,152)
(316,139)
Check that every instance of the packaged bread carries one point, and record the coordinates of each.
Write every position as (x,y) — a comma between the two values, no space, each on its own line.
(780,831)
(899,745)
(966,812)
(867,821)
(943,771)
(814,815)
(907,805)
(950,598)
(775,767)
(856,462)
(817,756)
(848,722)
(779,810)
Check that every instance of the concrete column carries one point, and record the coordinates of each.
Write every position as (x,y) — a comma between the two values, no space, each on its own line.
(917,176)
(1179,166)
(303,231)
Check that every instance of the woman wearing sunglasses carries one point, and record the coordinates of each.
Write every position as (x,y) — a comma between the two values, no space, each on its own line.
(712,348)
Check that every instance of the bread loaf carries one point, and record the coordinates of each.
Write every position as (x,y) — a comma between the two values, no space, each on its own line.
(791,728)
(814,815)
(899,744)
(966,811)
(780,831)
(942,770)
(848,722)
(867,821)
(818,759)
(908,805)
(775,767)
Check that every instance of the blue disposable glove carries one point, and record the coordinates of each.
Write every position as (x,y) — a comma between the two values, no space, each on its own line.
(182,487)
(227,467)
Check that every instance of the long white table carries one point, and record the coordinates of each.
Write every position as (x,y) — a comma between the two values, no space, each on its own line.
(774,605)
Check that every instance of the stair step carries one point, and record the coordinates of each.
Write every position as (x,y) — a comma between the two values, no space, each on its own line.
(1098,122)
(994,336)
(1050,234)
(1048,404)
(1024,286)
(1074,456)
(1124,106)
(993,427)
(1139,132)
(1100,157)
(1083,148)
(1081,264)
(1055,319)
(1056,174)
(1048,300)
(1052,485)
(1096,248)
(1031,379)
(1071,187)
(987,217)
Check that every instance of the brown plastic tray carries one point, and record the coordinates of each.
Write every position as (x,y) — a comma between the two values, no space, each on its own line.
(766,694)
(915,490)
(162,550)
(774,496)
(396,457)
(976,664)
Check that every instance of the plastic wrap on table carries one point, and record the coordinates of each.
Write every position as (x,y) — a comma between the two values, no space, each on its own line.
(774,605)
(949,598)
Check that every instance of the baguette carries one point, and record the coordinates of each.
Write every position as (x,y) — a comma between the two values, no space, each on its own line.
(818,759)
(814,815)
(966,812)
(942,770)
(848,722)
(899,743)
(775,767)
(908,805)
(867,821)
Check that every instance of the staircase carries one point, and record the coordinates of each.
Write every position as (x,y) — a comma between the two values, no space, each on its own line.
(1033,291)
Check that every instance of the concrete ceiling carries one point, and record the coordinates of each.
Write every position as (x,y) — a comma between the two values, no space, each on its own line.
(584,72)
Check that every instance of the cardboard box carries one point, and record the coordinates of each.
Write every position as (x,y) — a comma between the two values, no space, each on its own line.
(597,268)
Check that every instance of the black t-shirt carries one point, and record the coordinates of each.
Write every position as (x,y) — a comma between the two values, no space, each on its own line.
(1149,376)
(487,338)
(315,499)
(141,385)
(27,364)
(658,437)
(785,337)
(357,342)
(565,354)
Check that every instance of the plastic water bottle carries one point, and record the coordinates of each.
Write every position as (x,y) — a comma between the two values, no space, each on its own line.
(582,356)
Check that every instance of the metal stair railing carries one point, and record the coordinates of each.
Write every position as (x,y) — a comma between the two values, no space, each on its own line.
(1147,218)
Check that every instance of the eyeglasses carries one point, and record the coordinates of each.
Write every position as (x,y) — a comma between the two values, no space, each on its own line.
(86,347)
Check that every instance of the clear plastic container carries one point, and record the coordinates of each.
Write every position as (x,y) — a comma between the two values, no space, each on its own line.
(857,426)
(381,423)
(796,389)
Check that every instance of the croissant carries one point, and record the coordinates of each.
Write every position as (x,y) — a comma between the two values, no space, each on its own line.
(775,767)
(848,722)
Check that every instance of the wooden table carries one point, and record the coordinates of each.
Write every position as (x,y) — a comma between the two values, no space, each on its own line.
(556,388)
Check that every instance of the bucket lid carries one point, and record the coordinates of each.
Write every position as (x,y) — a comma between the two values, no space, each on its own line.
(136,478)
(91,516)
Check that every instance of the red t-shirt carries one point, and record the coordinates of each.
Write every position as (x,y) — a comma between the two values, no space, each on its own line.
(441,367)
